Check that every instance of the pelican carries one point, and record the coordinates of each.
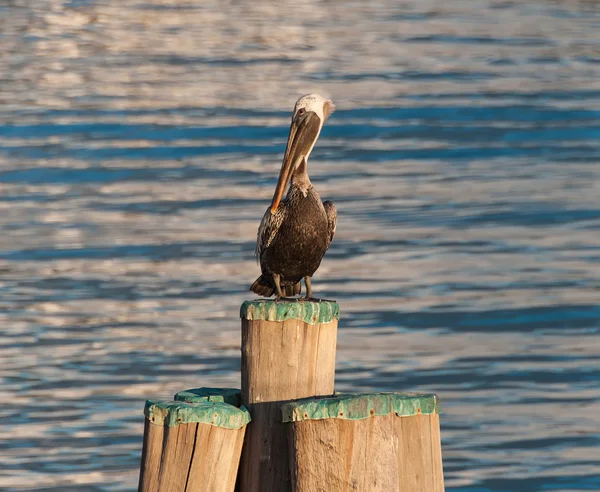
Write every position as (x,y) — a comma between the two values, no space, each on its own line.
(295,232)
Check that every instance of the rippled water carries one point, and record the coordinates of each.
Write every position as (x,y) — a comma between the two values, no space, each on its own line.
(139,146)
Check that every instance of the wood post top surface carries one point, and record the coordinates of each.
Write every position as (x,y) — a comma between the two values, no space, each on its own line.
(311,312)
(359,406)
(174,413)
(232,396)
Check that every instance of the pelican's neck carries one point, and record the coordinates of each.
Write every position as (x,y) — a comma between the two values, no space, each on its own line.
(300,177)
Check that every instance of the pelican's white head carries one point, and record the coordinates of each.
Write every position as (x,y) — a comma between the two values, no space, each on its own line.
(310,112)
(321,106)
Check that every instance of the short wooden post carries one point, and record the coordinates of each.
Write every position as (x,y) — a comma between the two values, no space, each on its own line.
(288,352)
(383,442)
(191,446)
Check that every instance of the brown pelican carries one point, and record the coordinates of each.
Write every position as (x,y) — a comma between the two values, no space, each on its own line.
(295,232)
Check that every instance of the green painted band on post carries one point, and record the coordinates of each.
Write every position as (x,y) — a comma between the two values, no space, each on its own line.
(231,396)
(308,311)
(360,406)
(173,413)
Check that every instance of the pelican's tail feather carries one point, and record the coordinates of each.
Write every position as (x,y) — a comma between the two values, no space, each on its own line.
(262,287)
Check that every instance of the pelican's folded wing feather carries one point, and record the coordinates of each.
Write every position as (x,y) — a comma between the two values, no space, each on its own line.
(269,226)
(331,212)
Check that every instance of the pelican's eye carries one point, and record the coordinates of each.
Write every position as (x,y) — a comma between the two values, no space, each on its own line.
(301,111)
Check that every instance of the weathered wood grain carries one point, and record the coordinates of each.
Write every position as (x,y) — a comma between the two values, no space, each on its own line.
(216,459)
(151,455)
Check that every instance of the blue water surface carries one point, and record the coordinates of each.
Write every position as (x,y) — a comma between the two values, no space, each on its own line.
(139,147)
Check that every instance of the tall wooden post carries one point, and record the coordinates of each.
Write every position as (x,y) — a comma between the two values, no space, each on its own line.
(288,352)
(382,442)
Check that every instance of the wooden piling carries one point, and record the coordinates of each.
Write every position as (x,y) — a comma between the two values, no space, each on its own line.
(191,446)
(288,352)
(383,442)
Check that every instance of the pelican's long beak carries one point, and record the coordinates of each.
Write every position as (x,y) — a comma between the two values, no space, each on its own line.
(303,134)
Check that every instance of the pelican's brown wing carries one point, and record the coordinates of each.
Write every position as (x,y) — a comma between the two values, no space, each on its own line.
(331,212)
(269,226)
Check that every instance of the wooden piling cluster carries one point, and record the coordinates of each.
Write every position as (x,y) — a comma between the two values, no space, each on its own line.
(297,435)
